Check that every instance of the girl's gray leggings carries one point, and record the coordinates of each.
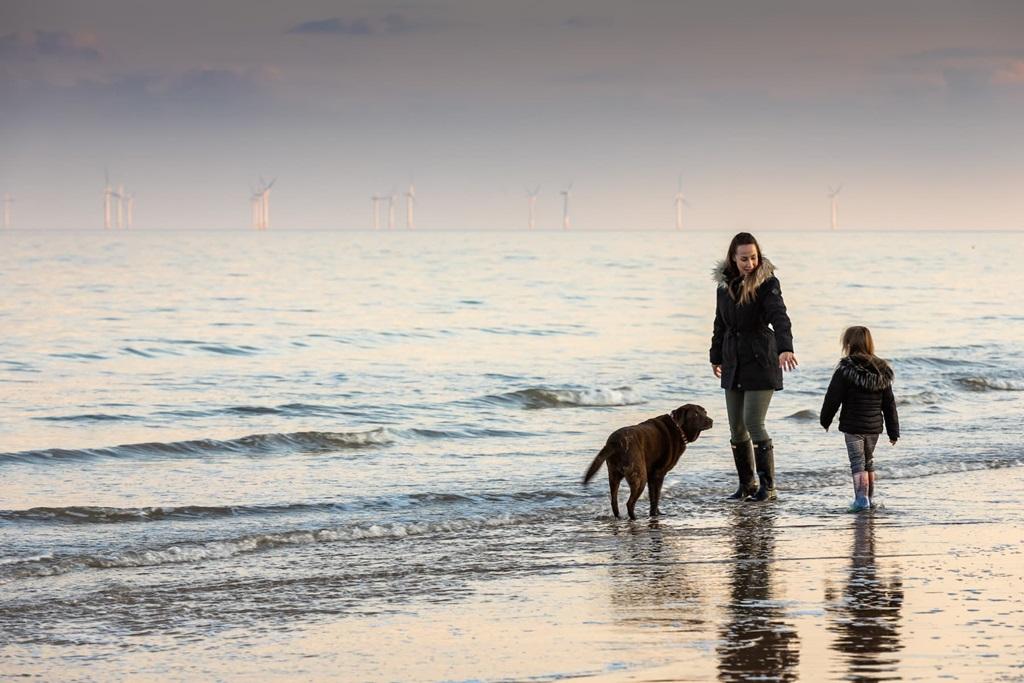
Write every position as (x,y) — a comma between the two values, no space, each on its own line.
(747,410)
(861,449)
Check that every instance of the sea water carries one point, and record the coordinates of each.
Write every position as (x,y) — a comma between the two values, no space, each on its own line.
(206,434)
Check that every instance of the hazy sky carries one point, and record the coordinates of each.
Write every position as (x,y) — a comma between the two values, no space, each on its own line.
(916,108)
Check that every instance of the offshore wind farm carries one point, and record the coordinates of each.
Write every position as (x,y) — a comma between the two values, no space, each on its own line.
(119,207)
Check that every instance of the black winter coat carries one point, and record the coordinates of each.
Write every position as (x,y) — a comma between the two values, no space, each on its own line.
(743,343)
(862,385)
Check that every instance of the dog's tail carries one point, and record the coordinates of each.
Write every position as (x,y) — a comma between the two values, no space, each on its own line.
(598,461)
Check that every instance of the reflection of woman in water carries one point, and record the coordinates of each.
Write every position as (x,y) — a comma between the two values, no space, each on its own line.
(756,641)
(866,619)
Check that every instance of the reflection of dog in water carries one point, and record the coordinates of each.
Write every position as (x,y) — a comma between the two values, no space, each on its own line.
(643,454)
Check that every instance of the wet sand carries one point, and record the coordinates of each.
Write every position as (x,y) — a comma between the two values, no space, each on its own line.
(874,596)
(857,597)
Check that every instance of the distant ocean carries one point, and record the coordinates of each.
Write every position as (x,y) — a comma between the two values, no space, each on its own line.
(208,433)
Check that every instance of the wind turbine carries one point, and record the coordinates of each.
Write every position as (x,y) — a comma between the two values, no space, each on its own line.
(680,202)
(108,194)
(259,204)
(254,209)
(120,205)
(410,203)
(832,194)
(129,200)
(8,200)
(565,206)
(256,205)
(532,194)
(391,209)
(265,203)
(376,210)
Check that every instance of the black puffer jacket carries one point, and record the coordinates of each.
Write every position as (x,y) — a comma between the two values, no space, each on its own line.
(743,343)
(863,386)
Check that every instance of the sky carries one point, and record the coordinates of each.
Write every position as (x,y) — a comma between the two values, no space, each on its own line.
(751,109)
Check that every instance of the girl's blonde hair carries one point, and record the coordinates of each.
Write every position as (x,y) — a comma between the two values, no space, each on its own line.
(857,341)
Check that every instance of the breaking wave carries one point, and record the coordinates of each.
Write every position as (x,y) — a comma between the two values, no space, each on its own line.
(926,398)
(201,551)
(541,397)
(255,444)
(86,514)
(467,433)
(88,417)
(289,410)
(990,384)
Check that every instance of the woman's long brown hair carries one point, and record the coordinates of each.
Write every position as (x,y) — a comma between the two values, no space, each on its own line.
(747,287)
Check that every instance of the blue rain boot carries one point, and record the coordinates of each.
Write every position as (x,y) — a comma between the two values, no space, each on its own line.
(861,484)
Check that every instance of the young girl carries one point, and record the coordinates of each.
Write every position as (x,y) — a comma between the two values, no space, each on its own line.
(862,385)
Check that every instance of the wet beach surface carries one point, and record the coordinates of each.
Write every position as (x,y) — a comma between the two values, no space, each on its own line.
(908,591)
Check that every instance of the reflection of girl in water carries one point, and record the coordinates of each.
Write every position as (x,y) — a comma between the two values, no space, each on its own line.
(866,618)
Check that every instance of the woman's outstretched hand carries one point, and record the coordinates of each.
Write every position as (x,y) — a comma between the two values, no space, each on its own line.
(787,360)
(717,369)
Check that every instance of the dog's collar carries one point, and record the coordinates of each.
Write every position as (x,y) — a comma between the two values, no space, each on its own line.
(682,434)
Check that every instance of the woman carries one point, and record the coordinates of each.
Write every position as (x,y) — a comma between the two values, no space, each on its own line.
(749,357)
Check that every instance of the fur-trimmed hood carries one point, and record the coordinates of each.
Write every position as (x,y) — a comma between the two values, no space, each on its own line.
(765,270)
(871,373)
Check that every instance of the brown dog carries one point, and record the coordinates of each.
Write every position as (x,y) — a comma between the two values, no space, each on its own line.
(645,453)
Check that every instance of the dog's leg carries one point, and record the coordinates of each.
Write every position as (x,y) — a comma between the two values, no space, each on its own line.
(655,493)
(637,484)
(613,484)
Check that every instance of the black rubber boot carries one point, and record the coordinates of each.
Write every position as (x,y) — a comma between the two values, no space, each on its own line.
(764,457)
(743,458)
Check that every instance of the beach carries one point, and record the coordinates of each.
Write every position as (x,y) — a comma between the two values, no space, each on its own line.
(870,596)
(295,457)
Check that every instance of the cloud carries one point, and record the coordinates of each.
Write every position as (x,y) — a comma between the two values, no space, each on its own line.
(947,55)
(202,91)
(1011,74)
(392,23)
(29,46)
(336,27)
(214,84)
(967,71)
